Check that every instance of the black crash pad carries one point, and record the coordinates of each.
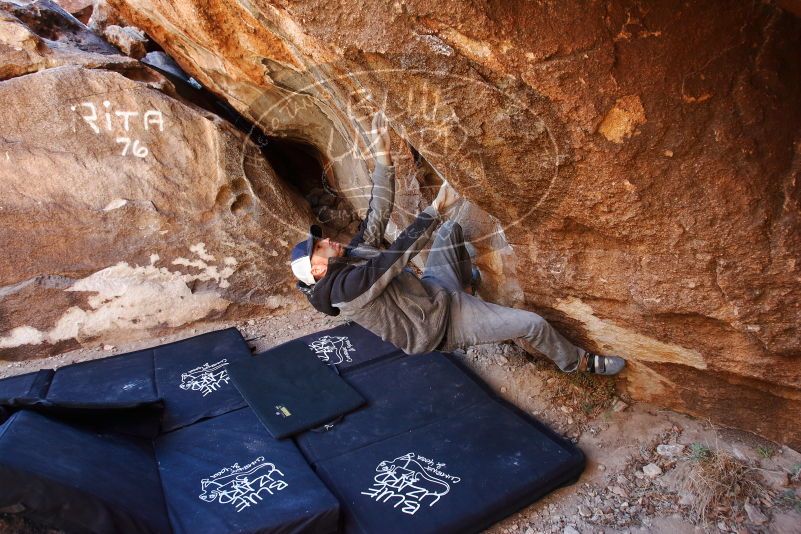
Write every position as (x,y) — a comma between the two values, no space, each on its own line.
(434,451)
(291,390)
(79,480)
(227,474)
(186,380)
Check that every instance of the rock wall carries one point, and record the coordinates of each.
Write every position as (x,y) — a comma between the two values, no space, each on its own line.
(125,212)
(642,159)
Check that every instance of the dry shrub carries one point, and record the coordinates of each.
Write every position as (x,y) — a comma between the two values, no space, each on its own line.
(721,484)
(588,394)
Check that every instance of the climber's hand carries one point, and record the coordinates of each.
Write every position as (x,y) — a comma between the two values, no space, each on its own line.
(446,198)
(379,140)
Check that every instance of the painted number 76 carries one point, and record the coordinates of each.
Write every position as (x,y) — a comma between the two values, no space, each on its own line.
(132,147)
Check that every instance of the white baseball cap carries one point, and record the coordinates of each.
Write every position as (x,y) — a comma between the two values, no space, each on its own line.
(301,256)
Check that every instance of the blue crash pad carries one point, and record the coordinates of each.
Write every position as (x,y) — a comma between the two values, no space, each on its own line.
(115,382)
(192,377)
(433,451)
(403,394)
(78,479)
(436,452)
(186,381)
(25,390)
(227,474)
(206,431)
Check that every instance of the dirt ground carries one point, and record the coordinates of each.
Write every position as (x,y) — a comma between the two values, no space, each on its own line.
(649,470)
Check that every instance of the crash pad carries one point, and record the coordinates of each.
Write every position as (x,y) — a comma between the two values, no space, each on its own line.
(227,474)
(119,381)
(25,390)
(174,384)
(78,479)
(435,451)
(192,376)
(291,390)
(401,395)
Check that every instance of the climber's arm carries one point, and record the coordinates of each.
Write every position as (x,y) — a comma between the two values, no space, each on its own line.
(361,284)
(382,193)
(382,198)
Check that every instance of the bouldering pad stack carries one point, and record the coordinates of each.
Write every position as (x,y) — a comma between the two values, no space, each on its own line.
(157,440)
(160,440)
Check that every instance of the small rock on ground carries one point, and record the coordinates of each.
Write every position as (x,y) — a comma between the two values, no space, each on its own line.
(652,470)
(669,451)
(755,515)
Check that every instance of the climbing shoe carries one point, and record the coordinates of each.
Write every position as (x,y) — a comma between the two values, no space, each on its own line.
(601,365)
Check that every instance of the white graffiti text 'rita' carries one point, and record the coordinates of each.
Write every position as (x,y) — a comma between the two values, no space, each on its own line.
(109,120)
(410,481)
(333,350)
(206,378)
(244,486)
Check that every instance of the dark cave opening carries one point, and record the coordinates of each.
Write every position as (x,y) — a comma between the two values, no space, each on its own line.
(301,166)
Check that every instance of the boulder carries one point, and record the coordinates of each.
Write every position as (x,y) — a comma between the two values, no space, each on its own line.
(75,6)
(42,35)
(127,213)
(103,15)
(80,9)
(130,40)
(641,162)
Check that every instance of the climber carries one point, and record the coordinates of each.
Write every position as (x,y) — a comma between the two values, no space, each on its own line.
(375,289)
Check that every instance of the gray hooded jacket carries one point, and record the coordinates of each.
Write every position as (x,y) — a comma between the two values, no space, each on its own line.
(375,288)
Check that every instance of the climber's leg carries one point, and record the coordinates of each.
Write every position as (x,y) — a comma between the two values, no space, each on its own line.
(448,263)
(473,322)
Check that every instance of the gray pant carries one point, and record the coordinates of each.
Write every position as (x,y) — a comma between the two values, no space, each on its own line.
(473,321)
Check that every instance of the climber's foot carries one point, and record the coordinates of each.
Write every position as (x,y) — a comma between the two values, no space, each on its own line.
(601,365)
